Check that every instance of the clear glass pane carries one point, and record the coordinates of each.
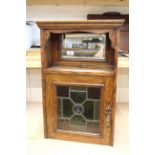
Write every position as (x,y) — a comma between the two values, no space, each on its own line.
(83,46)
(78,108)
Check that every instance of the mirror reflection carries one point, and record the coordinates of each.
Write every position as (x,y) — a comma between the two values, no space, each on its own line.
(83,46)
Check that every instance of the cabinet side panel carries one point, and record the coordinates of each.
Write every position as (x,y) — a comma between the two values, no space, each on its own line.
(45,63)
(114,83)
(44,105)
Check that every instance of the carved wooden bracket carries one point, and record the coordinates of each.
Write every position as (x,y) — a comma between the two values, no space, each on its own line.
(112,38)
(47,36)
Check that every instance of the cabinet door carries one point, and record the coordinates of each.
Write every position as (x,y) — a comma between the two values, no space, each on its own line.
(79,108)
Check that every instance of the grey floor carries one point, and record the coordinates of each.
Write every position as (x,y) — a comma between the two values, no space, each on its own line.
(37,145)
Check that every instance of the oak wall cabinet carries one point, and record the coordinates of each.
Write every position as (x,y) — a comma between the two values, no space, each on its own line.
(79,67)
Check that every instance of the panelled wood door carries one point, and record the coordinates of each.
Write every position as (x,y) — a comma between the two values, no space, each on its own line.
(79,108)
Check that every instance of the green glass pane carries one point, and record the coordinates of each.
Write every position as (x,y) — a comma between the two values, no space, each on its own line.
(94,93)
(93,127)
(78,97)
(78,123)
(62,91)
(78,88)
(59,107)
(96,104)
(67,107)
(89,109)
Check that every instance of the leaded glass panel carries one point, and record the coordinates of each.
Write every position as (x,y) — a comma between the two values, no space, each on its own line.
(78,108)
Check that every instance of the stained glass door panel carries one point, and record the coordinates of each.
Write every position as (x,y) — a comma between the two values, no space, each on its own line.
(78,108)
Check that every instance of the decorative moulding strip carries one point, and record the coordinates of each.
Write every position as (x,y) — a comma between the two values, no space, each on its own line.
(80,25)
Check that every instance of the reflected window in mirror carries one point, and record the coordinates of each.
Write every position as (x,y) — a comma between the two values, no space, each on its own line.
(83,46)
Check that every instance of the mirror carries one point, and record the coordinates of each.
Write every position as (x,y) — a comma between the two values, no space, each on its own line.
(83,46)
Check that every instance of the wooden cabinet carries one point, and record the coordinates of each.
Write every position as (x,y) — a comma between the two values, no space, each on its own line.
(79,66)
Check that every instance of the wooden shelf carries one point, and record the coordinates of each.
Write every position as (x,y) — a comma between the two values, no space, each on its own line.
(33,59)
(80,2)
(77,49)
(79,71)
